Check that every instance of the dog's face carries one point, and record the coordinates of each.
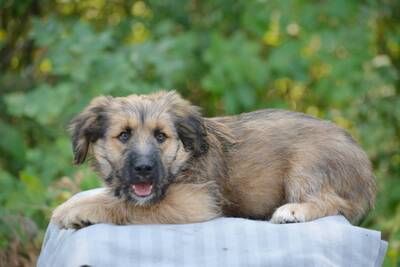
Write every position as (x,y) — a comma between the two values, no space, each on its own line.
(139,143)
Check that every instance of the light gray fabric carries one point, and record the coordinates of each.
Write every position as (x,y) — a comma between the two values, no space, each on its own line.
(330,241)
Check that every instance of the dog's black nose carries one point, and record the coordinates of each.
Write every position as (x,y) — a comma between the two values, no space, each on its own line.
(144,167)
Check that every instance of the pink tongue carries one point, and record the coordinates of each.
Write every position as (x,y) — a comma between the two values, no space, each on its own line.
(142,189)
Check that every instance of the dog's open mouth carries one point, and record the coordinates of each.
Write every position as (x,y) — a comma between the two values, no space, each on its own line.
(142,189)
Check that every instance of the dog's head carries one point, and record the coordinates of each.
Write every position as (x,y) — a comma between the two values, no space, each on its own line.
(139,143)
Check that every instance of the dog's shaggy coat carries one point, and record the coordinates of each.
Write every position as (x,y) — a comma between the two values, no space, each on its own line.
(275,164)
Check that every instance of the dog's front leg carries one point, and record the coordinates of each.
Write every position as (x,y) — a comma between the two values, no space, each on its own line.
(183,203)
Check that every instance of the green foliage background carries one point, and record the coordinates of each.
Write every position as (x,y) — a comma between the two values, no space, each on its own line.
(338,60)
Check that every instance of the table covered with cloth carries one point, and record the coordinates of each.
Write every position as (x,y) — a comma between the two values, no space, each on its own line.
(329,241)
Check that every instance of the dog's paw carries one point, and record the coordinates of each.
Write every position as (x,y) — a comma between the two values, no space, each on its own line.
(71,217)
(289,213)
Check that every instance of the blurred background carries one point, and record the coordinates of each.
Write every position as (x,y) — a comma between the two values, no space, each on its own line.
(337,60)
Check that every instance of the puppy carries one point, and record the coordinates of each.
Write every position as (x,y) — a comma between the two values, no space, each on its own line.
(162,162)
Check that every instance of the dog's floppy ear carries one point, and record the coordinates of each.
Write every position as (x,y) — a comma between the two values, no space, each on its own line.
(188,122)
(88,127)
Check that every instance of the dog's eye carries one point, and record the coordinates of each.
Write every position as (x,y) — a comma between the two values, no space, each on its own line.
(124,136)
(160,136)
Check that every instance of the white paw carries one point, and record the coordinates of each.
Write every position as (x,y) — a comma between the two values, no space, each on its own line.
(70,217)
(289,213)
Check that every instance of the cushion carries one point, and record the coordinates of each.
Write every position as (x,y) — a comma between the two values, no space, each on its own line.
(329,241)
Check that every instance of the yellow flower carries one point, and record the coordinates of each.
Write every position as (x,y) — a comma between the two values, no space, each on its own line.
(272,35)
(313,111)
(282,84)
(139,9)
(342,122)
(64,196)
(45,66)
(3,35)
(297,92)
(139,33)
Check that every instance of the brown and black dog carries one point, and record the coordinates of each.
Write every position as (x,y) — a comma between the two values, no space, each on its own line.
(162,162)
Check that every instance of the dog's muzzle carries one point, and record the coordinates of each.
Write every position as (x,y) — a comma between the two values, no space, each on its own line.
(142,174)
(144,168)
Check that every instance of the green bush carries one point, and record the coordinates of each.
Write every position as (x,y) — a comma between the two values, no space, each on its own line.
(338,60)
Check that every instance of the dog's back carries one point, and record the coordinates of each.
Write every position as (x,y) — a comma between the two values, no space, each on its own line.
(288,157)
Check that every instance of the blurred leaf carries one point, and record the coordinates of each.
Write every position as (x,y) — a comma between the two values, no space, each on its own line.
(12,142)
(43,104)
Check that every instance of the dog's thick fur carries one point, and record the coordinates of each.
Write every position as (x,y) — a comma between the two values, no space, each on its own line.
(275,164)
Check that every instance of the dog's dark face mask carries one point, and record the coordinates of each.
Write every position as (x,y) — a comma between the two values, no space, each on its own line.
(139,144)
